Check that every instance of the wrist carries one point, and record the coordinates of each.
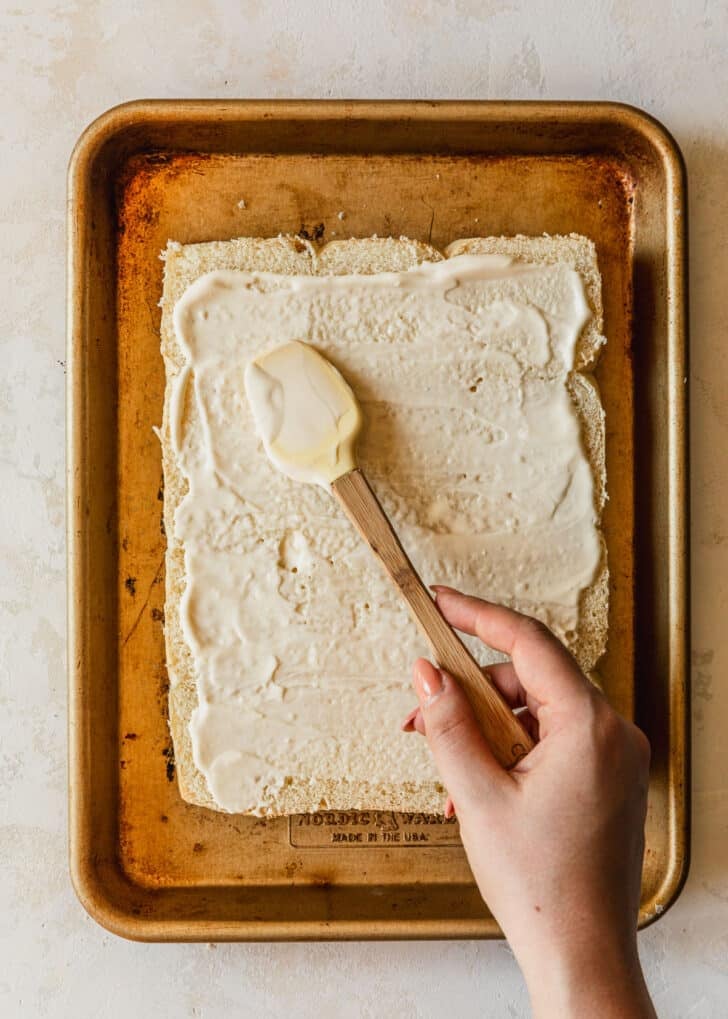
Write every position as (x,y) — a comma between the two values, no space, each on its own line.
(602,976)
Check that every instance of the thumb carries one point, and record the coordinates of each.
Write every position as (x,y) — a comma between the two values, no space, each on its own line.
(463,758)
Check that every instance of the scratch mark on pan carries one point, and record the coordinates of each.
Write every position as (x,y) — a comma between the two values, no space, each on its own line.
(432,219)
(136,622)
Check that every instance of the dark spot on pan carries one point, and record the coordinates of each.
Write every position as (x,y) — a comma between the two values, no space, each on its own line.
(315,234)
(158,615)
(130,735)
(163,697)
(198,847)
(130,585)
(168,753)
(157,158)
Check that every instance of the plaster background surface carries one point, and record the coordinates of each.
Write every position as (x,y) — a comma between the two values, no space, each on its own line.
(64,63)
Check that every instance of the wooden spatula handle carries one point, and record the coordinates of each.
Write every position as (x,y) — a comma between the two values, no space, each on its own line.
(506,736)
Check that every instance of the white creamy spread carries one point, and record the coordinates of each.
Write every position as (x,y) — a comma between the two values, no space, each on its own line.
(302,651)
(305,413)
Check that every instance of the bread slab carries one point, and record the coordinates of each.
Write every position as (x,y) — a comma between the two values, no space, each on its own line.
(292,256)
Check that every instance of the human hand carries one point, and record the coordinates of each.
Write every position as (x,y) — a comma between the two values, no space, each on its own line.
(555,844)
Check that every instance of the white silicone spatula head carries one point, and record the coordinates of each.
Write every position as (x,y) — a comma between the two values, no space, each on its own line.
(305,413)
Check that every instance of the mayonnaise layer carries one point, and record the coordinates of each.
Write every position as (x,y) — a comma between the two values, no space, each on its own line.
(302,651)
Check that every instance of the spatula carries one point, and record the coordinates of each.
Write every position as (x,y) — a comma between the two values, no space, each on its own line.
(309,419)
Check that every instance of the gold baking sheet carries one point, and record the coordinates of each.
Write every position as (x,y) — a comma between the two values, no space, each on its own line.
(150,866)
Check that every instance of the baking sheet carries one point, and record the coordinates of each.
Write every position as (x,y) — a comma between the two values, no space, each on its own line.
(146,864)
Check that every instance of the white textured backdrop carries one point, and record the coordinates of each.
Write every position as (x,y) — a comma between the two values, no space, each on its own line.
(64,63)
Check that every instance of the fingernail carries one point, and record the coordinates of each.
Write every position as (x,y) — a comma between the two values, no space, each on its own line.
(408,725)
(437,588)
(429,687)
(449,809)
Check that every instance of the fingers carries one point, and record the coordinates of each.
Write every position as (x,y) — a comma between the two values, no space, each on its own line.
(531,724)
(414,722)
(465,762)
(408,724)
(544,667)
(503,677)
